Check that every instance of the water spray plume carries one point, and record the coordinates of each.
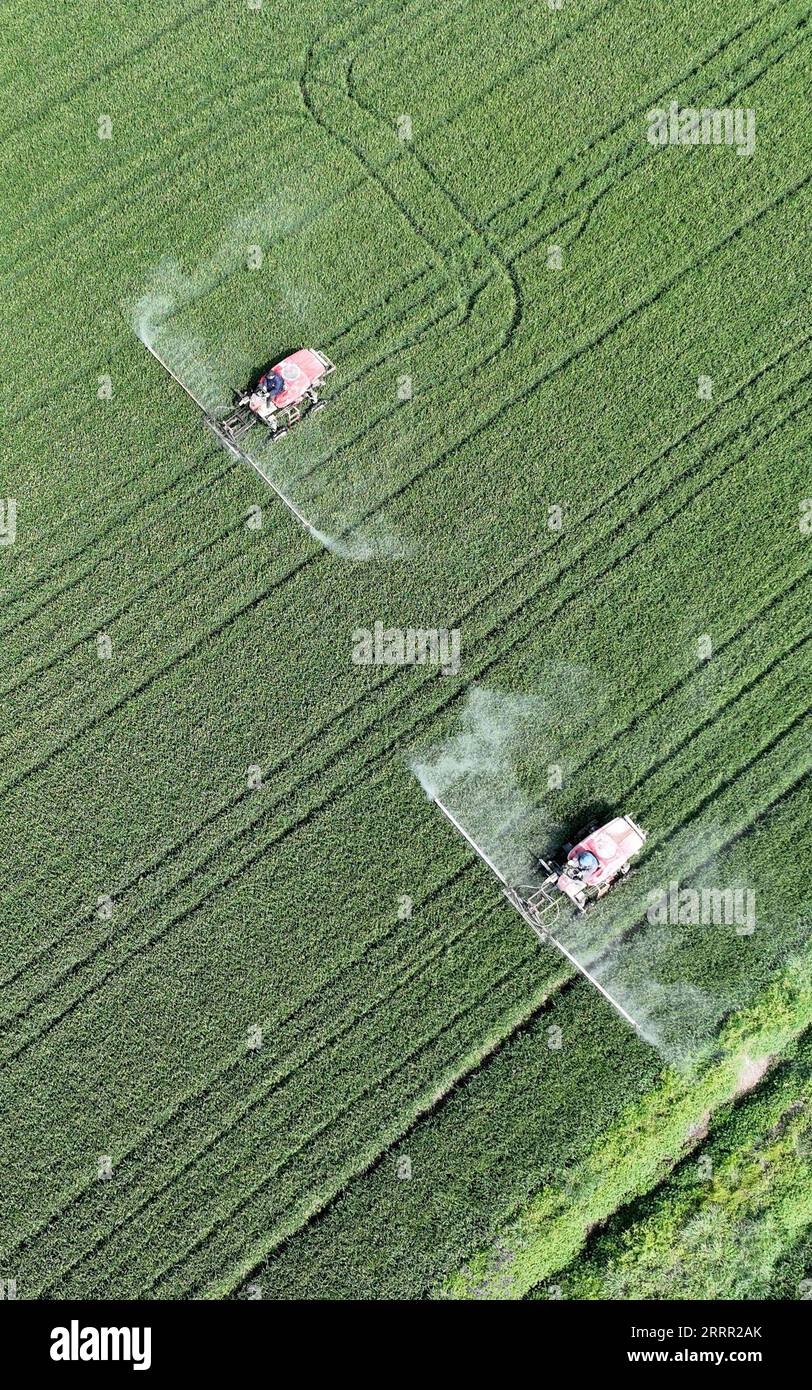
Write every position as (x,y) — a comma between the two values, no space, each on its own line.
(155,319)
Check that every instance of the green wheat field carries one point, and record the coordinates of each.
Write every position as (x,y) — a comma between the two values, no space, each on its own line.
(268,1027)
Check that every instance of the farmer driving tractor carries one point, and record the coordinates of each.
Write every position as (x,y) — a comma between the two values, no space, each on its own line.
(271,384)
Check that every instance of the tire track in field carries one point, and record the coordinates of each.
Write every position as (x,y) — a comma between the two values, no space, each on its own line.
(214,125)
(45,640)
(30,672)
(506,262)
(427,1096)
(195,140)
(767,611)
(49,205)
(647,504)
(234,555)
(388,412)
(100,716)
(333,794)
(231,1064)
(180,916)
(625,1212)
(125,59)
(526,599)
(81,415)
(15,655)
(645,104)
(584,216)
(574,156)
(126,513)
(37,581)
(132,191)
(254,79)
(636,545)
(411,337)
(436,252)
(681,783)
(656,708)
(186,560)
(512,71)
(383,301)
(682,683)
(32,613)
(750,823)
(693,673)
(544,234)
(242,1106)
(523,393)
(472,1008)
(738,430)
(293,1219)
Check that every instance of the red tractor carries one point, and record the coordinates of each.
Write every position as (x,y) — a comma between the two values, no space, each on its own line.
(600,857)
(279,400)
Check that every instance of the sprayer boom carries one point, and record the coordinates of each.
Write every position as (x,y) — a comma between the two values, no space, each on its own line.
(589,870)
(282,396)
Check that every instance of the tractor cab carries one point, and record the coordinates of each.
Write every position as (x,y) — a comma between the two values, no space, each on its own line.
(602,856)
(288,387)
(283,394)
